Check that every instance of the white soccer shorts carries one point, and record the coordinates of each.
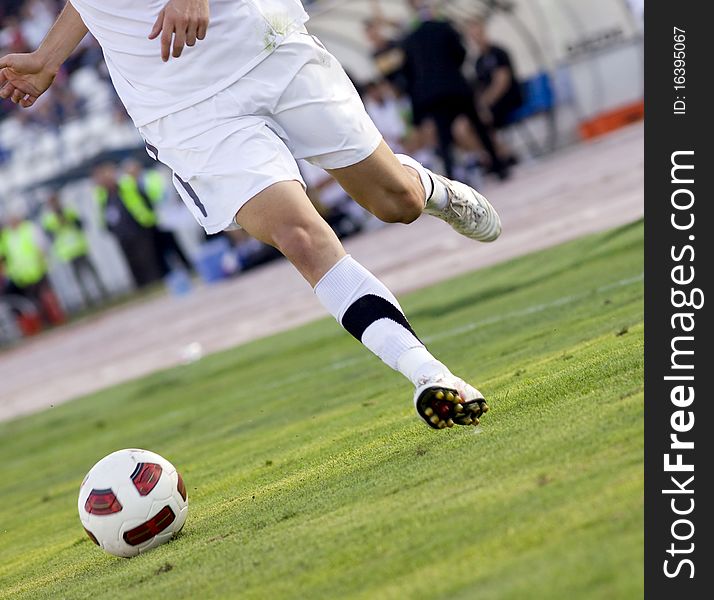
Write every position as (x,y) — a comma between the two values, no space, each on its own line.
(296,104)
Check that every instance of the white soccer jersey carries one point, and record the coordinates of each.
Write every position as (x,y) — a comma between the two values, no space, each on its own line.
(240,35)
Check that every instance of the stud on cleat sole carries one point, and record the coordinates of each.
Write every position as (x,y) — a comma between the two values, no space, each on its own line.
(442,424)
(459,408)
(435,420)
(429,412)
(439,395)
(450,423)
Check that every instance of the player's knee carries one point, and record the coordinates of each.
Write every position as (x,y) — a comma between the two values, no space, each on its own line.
(401,206)
(413,205)
(298,242)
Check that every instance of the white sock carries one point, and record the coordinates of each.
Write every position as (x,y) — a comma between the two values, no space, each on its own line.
(436,195)
(369,311)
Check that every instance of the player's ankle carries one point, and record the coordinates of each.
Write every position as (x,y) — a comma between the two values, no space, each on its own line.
(418,363)
(440,195)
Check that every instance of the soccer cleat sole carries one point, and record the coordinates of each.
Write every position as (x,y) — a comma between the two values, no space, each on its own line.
(442,408)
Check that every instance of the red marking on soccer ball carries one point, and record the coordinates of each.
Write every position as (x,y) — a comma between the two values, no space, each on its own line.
(102,502)
(181,486)
(91,536)
(152,527)
(145,477)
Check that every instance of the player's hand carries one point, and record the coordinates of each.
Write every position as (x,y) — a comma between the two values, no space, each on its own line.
(24,78)
(184,21)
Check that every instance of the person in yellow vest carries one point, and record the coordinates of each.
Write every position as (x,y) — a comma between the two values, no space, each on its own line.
(69,244)
(23,263)
(151,185)
(127,214)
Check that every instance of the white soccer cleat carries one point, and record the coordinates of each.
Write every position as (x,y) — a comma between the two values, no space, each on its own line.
(467,211)
(445,400)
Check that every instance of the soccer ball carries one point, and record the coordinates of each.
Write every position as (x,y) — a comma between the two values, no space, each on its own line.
(132,501)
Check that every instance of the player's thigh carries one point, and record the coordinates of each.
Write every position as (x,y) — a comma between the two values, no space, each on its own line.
(320,113)
(220,161)
(323,121)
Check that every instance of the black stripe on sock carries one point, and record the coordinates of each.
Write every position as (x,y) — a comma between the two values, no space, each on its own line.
(368,309)
(433,187)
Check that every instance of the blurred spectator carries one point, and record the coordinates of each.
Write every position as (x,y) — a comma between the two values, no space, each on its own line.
(151,186)
(70,246)
(37,18)
(11,38)
(128,215)
(384,39)
(434,57)
(498,91)
(23,25)
(9,8)
(385,110)
(23,263)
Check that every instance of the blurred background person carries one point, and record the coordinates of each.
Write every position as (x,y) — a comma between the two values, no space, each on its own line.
(70,246)
(151,186)
(24,265)
(498,92)
(384,38)
(434,56)
(387,112)
(127,214)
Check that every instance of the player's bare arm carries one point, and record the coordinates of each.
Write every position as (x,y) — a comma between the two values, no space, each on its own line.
(184,22)
(25,77)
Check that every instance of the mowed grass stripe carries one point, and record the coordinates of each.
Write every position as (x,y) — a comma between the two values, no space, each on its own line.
(310,477)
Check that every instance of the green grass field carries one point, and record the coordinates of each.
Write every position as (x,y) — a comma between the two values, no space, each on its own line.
(310,476)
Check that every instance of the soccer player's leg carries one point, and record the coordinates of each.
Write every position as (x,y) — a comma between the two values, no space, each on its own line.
(325,122)
(398,187)
(283,216)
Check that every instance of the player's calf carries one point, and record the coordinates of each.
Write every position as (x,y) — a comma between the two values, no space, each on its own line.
(383,186)
(367,310)
(399,205)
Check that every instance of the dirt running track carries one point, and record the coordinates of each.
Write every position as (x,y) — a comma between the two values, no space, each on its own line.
(588,188)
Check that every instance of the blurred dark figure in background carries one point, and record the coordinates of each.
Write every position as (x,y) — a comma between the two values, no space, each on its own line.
(498,92)
(433,59)
(152,188)
(9,8)
(23,263)
(128,215)
(383,36)
(69,244)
